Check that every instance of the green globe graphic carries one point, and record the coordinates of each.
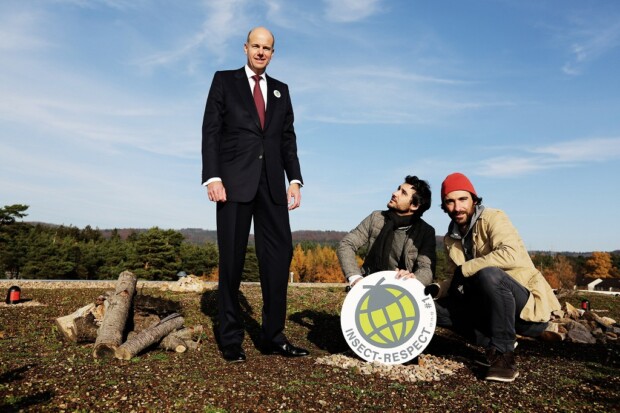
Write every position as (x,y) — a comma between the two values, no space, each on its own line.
(387,315)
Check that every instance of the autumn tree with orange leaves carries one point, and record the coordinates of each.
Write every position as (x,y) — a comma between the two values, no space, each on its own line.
(561,273)
(317,264)
(599,265)
(298,263)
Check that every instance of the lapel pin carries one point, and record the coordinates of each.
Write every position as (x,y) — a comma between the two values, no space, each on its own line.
(276,93)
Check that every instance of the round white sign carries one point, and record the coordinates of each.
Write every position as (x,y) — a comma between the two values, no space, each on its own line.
(386,319)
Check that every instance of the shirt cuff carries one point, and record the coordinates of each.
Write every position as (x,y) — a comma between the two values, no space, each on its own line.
(352,278)
(296,181)
(214,179)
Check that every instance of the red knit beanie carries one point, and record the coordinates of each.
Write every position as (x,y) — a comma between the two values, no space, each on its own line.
(456,182)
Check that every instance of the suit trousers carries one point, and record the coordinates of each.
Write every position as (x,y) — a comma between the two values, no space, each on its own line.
(488,311)
(274,250)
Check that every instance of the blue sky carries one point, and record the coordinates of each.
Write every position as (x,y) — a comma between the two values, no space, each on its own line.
(102,102)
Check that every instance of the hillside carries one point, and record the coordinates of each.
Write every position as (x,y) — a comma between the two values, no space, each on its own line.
(199,236)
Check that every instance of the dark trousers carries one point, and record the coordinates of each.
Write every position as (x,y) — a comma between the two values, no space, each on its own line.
(488,310)
(274,250)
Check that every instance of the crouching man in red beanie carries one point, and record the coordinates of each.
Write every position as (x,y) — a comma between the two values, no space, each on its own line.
(495,291)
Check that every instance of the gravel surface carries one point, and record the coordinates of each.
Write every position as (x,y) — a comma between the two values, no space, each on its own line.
(427,368)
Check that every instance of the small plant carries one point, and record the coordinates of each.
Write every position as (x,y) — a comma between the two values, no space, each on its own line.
(318,375)
(397,386)
(212,409)
(160,356)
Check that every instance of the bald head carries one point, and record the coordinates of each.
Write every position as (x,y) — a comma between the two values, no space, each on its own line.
(259,49)
(263,30)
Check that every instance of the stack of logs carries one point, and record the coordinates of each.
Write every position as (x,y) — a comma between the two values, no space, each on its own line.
(105,321)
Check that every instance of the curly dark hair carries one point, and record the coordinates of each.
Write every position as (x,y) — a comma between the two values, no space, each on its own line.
(422,196)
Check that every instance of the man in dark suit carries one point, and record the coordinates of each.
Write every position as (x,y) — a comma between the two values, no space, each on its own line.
(248,143)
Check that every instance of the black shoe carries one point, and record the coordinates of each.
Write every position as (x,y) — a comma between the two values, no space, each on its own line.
(233,353)
(503,368)
(285,349)
(490,355)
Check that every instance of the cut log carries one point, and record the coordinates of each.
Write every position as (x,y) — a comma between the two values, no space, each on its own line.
(191,345)
(172,343)
(148,337)
(86,328)
(110,334)
(188,333)
(66,324)
(83,328)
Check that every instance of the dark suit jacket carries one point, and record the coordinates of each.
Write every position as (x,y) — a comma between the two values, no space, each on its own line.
(233,143)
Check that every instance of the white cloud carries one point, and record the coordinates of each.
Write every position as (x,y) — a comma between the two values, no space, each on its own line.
(223,19)
(386,95)
(583,150)
(18,31)
(591,40)
(346,11)
(509,166)
(570,69)
(114,4)
(397,74)
(558,155)
(300,17)
(77,108)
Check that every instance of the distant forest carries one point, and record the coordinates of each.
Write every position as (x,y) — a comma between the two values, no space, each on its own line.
(45,251)
(200,236)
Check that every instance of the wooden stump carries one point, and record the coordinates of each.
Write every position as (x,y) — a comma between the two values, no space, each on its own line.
(172,343)
(181,340)
(86,328)
(188,333)
(148,337)
(110,334)
(67,324)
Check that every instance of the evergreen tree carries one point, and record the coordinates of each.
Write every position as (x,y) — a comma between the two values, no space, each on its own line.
(441,266)
(199,260)
(14,246)
(116,255)
(250,267)
(13,240)
(91,260)
(158,254)
(50,256)
(10,213)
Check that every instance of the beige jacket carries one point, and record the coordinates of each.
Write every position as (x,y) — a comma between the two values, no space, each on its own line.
(498,244)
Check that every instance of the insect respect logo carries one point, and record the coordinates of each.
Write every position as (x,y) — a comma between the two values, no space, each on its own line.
(388,320)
